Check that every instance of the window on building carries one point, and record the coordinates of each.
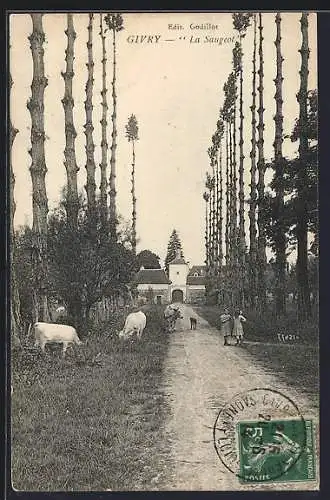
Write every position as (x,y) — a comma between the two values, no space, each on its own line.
(195,274)
(177,272)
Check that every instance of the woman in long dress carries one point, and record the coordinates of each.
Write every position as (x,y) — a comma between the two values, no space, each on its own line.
(226,325)
(238,330)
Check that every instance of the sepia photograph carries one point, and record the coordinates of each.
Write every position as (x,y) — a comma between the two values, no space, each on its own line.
(164,251)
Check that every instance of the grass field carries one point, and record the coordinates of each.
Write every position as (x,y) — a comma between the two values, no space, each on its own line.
(295,362)
(94,420)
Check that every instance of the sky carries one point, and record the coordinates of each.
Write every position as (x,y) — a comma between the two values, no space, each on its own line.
(172,80)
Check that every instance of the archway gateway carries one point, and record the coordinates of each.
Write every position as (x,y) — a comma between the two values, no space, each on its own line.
(177,296)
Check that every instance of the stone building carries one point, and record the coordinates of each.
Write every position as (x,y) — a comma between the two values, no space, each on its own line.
(153,284)
(181,285)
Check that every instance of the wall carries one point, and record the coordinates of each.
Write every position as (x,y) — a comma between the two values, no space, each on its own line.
(145,286)
(178,274)
(162,290)
(195,293)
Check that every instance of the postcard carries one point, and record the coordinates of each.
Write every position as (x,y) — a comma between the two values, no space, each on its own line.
(164,251)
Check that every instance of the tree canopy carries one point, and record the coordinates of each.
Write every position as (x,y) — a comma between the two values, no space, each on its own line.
(147,259)
(291,169)
(173,246)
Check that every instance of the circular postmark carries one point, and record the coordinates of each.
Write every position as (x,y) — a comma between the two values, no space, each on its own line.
(259,435)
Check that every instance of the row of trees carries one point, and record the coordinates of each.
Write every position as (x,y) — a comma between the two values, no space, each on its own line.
(280,216)
(78,252)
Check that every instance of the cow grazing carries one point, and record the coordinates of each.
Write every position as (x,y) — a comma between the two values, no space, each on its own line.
(134,325)
(52,332)
(171,314)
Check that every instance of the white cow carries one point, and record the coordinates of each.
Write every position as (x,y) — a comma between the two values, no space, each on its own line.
(171,314)
(52,332)
(135,324)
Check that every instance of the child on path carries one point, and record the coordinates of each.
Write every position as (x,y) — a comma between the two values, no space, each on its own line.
(225,320)
(238,331)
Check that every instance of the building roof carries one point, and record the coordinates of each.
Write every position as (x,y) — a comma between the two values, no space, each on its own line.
(197,275)
(200,270)
(152,277)
(196,280)
(177,260)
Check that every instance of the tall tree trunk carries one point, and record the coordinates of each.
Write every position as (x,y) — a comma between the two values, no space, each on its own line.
(217,212)
(242,242)
(227,230)
(113,193)
(104,142)
(261,260)
(72,204)
(133,200)
(211,261)
(232,228)
(38,171)
(15,315)
(231,196)
(206,198)
(214,231)
(90,162)
(280,238)
(253,190)
(304,306)
(221,273)
(132,134)
(210,236)
(235,277)
(219,208)
(72,201)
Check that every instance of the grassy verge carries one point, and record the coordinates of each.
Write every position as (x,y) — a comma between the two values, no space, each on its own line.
(93,421)
(296,362)
(266,328)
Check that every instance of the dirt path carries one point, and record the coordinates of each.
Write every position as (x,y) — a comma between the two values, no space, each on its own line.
(201,376)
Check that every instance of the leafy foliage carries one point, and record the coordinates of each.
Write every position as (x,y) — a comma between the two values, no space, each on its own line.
(132,129)
(291,180)
(312,122)
(210,181)
(86,265)
(173,246)
(241,21)
(206,196)
(114,21)
(23,269)
(230,90)
(237,58)
(147,259)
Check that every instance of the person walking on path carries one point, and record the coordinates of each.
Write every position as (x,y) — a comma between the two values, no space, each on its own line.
(226,325)
(238,330)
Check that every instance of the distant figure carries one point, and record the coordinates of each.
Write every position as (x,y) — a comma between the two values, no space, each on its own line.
(225,320)
(238,331)
(193,323)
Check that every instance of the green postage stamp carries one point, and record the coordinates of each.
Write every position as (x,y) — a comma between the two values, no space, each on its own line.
(276,450)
